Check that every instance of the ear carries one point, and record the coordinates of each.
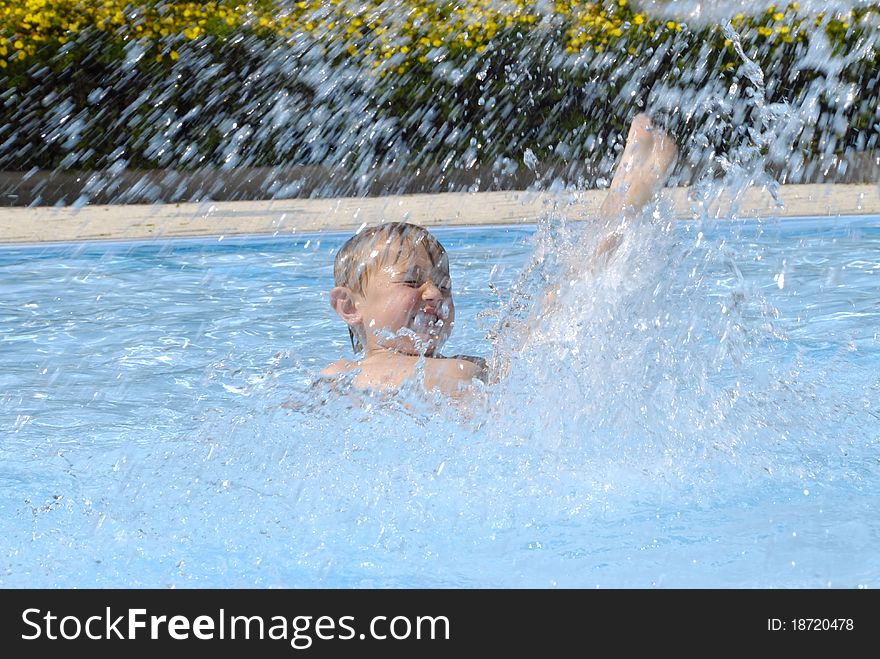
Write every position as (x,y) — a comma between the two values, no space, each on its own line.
(342,301)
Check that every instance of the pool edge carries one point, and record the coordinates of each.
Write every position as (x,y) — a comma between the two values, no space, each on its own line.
(292,216)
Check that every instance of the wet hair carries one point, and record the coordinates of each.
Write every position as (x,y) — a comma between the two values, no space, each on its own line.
(370,249)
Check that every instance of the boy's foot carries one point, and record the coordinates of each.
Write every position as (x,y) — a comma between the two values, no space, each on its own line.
(647,161)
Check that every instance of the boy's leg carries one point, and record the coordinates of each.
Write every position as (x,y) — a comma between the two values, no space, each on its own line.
(644,168)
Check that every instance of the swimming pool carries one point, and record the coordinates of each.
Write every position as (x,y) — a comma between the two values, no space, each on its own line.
(705,413)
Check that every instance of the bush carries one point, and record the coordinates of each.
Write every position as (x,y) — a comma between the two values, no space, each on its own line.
(442,94)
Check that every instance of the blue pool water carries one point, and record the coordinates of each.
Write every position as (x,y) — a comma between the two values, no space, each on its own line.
(704,412)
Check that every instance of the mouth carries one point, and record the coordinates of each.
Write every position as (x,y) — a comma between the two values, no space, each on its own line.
(429,321)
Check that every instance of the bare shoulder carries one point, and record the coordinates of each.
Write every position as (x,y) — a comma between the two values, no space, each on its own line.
(451,375)
(466,367)
(339,367)
(479,362)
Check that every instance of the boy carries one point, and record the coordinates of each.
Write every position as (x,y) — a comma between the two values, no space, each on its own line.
(394,292)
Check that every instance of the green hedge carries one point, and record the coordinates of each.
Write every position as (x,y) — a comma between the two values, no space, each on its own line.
(467,91)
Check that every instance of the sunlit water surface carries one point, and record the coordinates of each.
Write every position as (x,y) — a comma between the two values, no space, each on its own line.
(704,411)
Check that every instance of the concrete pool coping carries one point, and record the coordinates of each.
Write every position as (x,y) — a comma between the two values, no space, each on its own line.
(347,214)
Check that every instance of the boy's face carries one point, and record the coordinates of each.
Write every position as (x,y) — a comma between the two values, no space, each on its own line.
(407,305)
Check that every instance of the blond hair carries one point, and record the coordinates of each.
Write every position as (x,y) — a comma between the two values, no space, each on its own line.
(370,249)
